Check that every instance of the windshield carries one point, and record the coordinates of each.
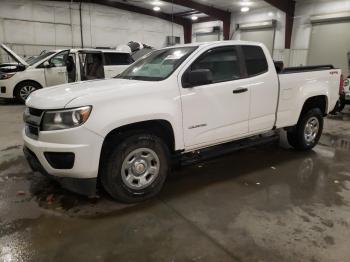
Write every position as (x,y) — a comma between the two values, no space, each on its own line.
(158,65)
(34,60)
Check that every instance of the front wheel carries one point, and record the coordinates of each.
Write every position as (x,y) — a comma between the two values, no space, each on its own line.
(306,134)
(136,169)
(24,89)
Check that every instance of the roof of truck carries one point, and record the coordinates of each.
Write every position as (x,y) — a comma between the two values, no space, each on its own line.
(232,42)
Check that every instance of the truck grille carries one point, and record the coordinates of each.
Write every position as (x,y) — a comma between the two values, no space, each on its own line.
(32,118)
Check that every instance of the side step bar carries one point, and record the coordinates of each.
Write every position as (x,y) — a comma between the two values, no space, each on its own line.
(223,149)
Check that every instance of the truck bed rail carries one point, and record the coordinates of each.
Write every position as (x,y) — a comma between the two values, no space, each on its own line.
(299,69)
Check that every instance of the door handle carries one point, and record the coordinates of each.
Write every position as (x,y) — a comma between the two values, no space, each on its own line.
(240,90)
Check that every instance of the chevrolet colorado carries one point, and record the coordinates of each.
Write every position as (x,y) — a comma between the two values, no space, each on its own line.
(125,132)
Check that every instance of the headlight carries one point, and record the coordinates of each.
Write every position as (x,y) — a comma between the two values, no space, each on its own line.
(63,119)
(6,76)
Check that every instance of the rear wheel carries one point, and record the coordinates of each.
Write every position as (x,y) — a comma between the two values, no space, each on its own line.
(136,168)
(24,89)
(306,134)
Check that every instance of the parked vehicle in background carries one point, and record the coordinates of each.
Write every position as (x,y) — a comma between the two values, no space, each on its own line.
(20,77)
(344,96)
(347,91)
(175,105)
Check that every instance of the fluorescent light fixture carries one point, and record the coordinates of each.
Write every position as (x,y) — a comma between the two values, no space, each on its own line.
(194,18)
(156,8)
(245,9)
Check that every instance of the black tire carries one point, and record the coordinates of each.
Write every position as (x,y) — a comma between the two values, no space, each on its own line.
(20,88)
(111,171)
(296,136)
(341,105)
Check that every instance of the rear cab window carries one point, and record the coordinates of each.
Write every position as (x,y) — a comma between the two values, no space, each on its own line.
(255,60)
(117,59)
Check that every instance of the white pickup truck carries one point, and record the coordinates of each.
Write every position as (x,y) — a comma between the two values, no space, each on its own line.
(126,132)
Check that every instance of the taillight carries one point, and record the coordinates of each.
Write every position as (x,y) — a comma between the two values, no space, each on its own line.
(341,84)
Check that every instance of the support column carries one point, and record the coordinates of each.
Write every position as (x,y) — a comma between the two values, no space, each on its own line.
(187,32)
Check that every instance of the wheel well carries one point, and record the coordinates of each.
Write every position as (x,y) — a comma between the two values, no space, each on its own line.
(315,102)
(160,128)
(33,81)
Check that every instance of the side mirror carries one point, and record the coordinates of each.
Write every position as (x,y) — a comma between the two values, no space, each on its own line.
(279,65)
(47,64)
(199,77)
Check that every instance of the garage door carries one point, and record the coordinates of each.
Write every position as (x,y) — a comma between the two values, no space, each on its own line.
(207,37)
(264,35)
(330,44)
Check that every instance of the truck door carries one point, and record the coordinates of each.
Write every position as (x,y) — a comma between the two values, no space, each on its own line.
(263,85)
(55,69)
(219,111)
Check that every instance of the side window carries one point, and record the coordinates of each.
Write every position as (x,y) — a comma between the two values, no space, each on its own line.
(60,59)
(255,60)
(222,62)
(118,59)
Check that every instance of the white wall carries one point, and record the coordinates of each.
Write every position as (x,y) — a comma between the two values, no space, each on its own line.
(302,26)
(204,27)
(31,26)
(264,14)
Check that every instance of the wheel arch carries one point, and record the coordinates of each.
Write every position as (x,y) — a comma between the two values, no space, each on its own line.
(159,127)
(319,101)
(27,80)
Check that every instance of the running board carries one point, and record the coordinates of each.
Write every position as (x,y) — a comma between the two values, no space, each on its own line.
(227,148)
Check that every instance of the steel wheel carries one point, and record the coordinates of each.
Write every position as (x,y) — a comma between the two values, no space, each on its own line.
(25,91)
(311,130)
(140,168)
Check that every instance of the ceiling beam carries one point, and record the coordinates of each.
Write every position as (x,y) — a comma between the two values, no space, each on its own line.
(204,19)
(206,9)
(283,5)
(287,6)
(187,13)
(213,12)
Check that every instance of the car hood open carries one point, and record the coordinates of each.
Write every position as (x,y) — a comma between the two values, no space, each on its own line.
(14,56)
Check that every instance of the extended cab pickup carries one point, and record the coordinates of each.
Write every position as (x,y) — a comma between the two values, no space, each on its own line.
(127,131)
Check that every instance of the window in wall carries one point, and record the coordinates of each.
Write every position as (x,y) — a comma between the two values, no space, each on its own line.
(222,62)
(255,60)
(118,59)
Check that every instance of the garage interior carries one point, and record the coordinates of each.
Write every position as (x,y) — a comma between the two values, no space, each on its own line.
(264,203)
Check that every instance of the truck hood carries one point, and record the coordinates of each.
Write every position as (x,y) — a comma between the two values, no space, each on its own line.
(58,97)
(16,57)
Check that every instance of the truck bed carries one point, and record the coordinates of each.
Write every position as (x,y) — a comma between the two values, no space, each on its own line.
(297,84)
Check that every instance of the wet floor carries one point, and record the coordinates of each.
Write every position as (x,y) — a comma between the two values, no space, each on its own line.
(267,203)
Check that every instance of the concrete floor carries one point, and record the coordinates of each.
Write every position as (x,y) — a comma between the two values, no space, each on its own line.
(261,204)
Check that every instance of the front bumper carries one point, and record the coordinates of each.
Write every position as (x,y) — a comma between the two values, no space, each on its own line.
(84,144)
(78,185)
(6,89)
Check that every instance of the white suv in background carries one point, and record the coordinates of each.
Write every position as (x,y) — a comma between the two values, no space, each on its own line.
(20,77)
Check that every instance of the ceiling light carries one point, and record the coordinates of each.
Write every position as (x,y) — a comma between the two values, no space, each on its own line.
(156,8)
(246,3)
(194,18)
(157,3)
(245,9)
